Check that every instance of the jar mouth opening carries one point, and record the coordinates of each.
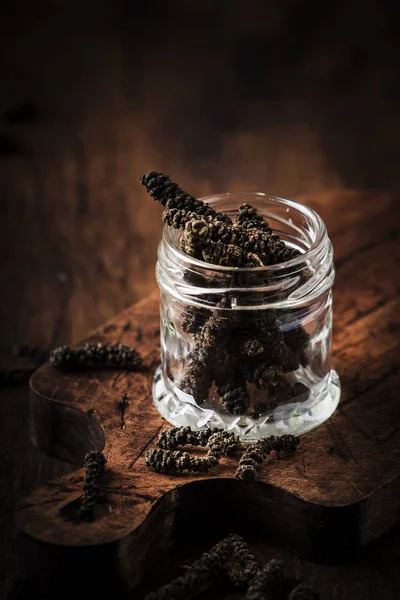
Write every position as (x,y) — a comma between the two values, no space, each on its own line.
(316,230)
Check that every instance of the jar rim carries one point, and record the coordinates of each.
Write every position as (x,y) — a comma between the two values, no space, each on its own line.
(309,254)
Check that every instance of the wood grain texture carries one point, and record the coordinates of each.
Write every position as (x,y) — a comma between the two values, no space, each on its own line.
(342,487)
(78,238)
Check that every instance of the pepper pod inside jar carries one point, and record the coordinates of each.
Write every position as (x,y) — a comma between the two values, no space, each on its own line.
(247,347)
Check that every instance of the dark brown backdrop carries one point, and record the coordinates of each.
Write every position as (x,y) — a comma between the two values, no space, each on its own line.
(289,97)
(292,97)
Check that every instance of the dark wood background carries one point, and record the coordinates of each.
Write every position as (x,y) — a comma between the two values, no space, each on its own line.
(296,98)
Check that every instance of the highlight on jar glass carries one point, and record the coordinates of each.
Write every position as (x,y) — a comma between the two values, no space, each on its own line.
(246,315)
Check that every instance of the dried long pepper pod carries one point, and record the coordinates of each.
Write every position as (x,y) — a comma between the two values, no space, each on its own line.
(171,196)
(265,584)
(252,347)
(182,436)
(175,461)
(178,218)
(96,355)
(275,384)
(224,443)
(230,255)
(251,461)
(94,468)
(228,379)
(235,397)
(267,378)
(264,369)
(216,326)
(302,592)
(200,576)
(244,565)
(196,237)
(202,239)
(256,454)
(211,569)
(259,340)
(298,339)
(198,376)
(268,358)
(193,319)
(200,231)
(268,247)
(265,361)
(276,356)
(249,218)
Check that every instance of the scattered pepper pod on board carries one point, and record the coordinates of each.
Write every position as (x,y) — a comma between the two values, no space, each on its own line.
(92,355)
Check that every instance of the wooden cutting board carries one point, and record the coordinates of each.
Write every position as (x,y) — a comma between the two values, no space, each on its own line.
(341,489)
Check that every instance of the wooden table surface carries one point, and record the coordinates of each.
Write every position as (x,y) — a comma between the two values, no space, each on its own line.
(78,234)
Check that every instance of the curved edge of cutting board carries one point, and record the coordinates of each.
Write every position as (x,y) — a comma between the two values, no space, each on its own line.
(310,503)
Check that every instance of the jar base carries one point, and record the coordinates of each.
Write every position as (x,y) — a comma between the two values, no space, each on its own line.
(298,419)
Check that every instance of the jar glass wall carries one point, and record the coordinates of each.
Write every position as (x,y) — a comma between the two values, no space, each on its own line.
(249,349)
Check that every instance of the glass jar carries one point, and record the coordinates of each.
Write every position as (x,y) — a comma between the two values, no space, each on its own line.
(249,349)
